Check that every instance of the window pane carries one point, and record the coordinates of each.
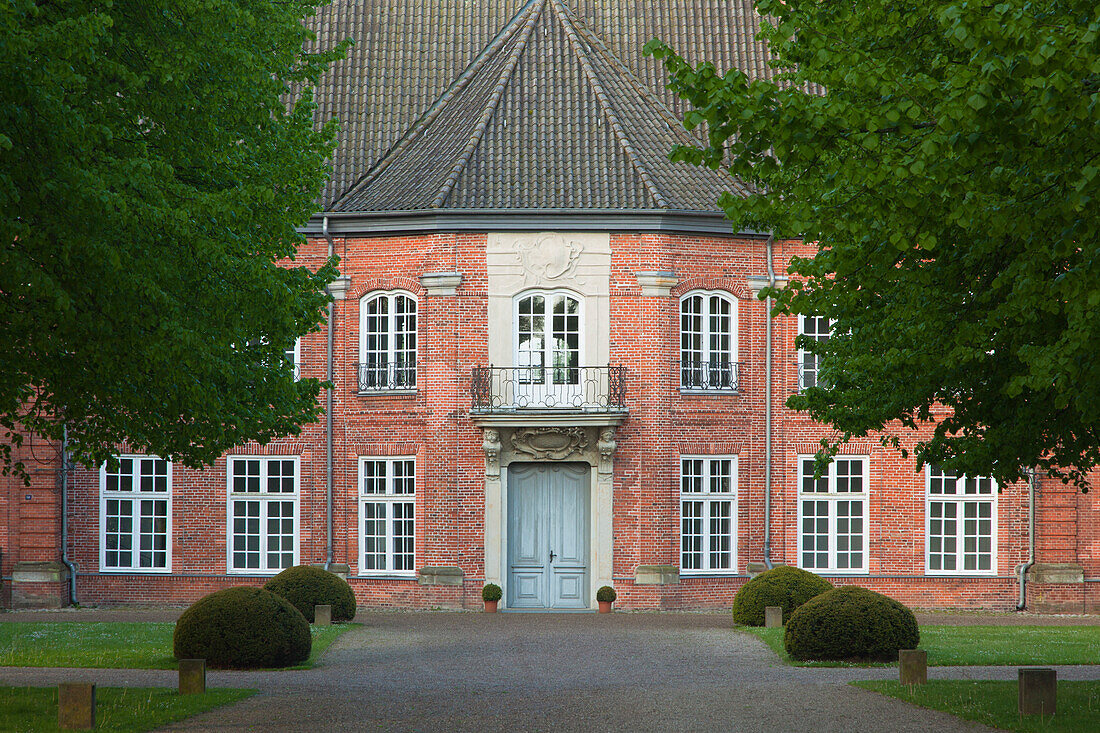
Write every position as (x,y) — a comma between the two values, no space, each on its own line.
(691,535)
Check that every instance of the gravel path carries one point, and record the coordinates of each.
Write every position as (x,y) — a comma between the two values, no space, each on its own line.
(547,672)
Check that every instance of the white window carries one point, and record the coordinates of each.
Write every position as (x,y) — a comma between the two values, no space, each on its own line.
(708,514)
(387,342)
(293,356)
(548,338)
(263,511)
(387,516)
(814,328)
(832,515)
(135,511)
(708,341)
(960,512)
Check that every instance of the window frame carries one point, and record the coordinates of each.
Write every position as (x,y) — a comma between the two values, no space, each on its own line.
(265,498)
(548,328)
(960,498)
(803,354)
(390,499)
(833,497)
(708,498)
(706,334)
(294,356)
(391,385)
(135,495)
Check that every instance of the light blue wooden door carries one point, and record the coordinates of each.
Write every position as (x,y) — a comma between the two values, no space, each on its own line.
(548,523)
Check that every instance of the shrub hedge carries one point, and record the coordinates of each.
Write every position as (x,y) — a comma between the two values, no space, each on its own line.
(306,586)
(851,623)
(242,628)
(782,586)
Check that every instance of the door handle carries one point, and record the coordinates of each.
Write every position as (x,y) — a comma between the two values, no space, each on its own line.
(552,556)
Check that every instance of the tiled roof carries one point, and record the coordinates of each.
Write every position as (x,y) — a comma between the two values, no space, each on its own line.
(547,104)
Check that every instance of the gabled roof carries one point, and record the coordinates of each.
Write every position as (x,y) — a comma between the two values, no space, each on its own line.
(498,105)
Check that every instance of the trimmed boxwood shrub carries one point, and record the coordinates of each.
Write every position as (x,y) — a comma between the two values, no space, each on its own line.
(242,628)
(606,594)
(491,592)
(782,586)
(306,586)
(851,623)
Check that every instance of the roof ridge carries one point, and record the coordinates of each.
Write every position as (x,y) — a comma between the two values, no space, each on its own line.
(605,102)
(461,81)
(490,104)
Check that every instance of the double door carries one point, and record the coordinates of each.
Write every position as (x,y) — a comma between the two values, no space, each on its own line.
(548,530)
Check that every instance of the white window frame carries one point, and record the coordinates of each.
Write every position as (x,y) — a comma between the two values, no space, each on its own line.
(265,499)
(136,495)
(959,499)
(294,356)
(395,379)
(390,499)
(805,370)
(833,499)
(708,478)
(548,326)
(709,379)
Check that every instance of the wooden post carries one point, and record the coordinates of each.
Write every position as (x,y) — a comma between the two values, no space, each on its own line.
(1038,693)
(913,666)
(76,705)
(773,617)
(192,676)
(322,615)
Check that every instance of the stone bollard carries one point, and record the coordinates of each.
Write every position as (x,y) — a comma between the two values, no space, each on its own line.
(773,617)
(913,666)
(322,615)
(192,676)
(76,705)
(1038,690)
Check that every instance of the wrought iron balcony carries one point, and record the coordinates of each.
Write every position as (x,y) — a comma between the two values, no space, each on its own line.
(809,373)
(722,376)
(577,389)
(378,376)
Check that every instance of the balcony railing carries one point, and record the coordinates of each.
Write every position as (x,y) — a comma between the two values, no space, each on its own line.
(710,375)
(377,376)
(581,389)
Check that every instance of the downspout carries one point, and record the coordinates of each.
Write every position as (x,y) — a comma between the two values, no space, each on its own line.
(1021,570)
(768,413)
(328,413)
(65,513)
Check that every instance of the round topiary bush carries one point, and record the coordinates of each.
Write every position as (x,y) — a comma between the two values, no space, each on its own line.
(491,592)
(306,586)
(851,623)
(781,586)
(242,628)
(606,594)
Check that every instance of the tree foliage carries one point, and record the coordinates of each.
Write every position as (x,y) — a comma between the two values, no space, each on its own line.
(944,156)
(152,173)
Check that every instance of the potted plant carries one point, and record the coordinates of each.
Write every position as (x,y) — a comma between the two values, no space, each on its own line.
(491,594)
(605,596)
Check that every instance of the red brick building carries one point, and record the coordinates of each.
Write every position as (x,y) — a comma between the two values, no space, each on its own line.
(551,370)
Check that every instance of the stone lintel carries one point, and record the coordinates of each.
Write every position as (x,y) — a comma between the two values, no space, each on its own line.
(656,575)
(338,288)
(659,283)
(440,575)
(441,283)
(1056,572)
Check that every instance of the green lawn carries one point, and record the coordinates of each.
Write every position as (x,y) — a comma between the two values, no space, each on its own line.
(949,646)
(117,708)
(995,703)
(136,645)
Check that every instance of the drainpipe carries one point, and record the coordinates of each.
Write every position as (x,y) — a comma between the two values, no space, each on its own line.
(65,513)
(768,413)
(328,413)
(1021,570)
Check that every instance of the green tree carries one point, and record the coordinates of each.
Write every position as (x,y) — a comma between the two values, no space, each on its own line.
(944,157)
(152,173)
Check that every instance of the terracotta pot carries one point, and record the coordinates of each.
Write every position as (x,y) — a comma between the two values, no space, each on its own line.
(605,606)
(491,606)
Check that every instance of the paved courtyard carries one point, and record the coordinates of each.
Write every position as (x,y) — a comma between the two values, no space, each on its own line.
(549,672)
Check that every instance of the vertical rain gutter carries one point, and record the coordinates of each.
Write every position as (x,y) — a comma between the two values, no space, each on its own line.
(768,413)
(328,413)
(65,513)
(1021,570)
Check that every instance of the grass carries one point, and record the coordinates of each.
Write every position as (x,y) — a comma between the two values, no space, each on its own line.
(117,708)
(995,703)
(133,645)
(949,646)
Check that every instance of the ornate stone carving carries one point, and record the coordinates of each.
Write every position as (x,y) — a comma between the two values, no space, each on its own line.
(548,256)
(549,443)
(491,444)
(606,446)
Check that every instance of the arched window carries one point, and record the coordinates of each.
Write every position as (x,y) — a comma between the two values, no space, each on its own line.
(548,338)
(387,341)
(708,341)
